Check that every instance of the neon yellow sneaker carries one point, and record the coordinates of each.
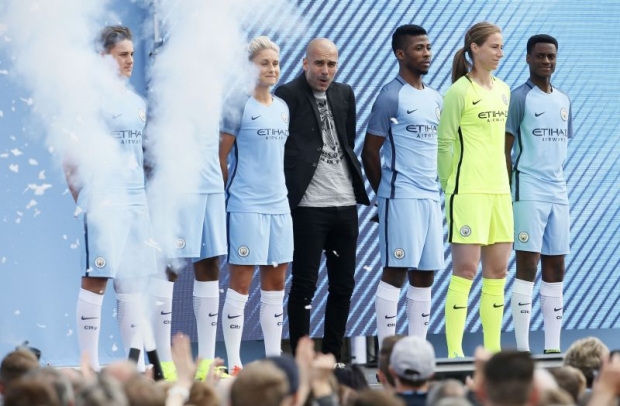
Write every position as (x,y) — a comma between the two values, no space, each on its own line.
(170,371)
(203,370)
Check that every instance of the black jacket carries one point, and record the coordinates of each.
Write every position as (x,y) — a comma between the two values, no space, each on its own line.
(305,142)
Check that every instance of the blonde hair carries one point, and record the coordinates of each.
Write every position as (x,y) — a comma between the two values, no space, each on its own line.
(477,34)
(260,44)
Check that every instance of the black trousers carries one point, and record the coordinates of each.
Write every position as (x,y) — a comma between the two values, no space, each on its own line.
(333,230)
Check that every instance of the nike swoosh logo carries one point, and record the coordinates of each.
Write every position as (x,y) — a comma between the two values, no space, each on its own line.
(476,102)
(455,307)
(557,310)
(539,114)
(411,111)
(163,313)
(89,318)
(426,315)
(523,304)
(115,116)
(254,118)
(495,305)
(278,315)
(389,317)
(213,314)
(233,317)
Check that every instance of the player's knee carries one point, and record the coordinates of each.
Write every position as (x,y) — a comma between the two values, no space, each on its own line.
(467,271)
(207,270)
(421,279)
(394,276)
(553,269)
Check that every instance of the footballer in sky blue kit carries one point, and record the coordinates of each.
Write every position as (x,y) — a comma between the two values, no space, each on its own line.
(256,184)
(109,188)
(253,131)
(537,132)
(402,133)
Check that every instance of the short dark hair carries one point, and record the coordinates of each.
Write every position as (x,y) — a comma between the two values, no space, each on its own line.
(404,31)
(112,35)
(509,375)
(540,39)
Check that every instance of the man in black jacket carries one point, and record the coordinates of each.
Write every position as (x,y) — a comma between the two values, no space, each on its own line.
(324,182)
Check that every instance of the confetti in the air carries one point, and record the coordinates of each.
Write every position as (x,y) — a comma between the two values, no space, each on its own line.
(16,152)
(42,175)
(4,155)
(64,236)
(33,162)
(274,264)
(4,72)
(74,246)
(14,168)
(3,260)
(336,254)
(69,333)
(114,347)
(28,101)
(39,190)
(41,325)
(308,307)
(31,204)
(367,268)
(17,312)
(36,212)
(1,114)
(395,121)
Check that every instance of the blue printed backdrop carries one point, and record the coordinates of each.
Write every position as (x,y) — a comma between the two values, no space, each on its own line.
(39,287)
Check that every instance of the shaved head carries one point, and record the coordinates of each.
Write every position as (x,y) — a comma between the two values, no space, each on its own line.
(320,63)
(321,44)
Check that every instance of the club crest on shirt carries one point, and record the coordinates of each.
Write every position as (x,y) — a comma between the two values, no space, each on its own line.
(285,117)
(465,231)
(505,99)
(99,262)
(524,237)
(243,251)
(142,115)
(399,253)
(438,112)
(564,113)
(179,243)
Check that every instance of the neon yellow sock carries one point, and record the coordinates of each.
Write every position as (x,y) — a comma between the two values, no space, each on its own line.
(456,314)
(492,312)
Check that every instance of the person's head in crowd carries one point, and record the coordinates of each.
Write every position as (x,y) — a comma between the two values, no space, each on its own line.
(59,382)
(586,355)
(123,370)
(142,391)
(30,391)
(571,380)
(412,364)
(508,380)
(555,397)
(453,401)
(369,397)
(448,388)
(15,365)
(383,373)
(352,376)
(103,391)
(543,380)
(286,363)
(203,394)
(261,380)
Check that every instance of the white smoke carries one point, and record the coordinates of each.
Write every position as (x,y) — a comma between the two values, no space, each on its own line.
(52,47)
(203,52)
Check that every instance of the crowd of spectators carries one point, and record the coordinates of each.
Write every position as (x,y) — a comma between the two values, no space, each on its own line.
(590,376)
